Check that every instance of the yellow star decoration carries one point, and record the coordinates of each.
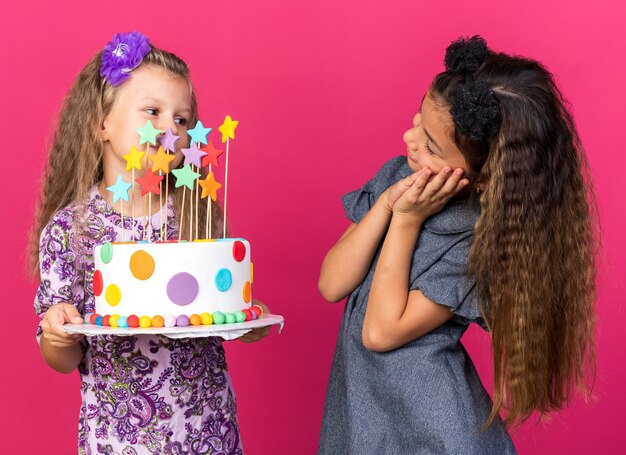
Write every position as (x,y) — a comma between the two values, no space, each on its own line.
(161,161)
(133,158)
(209,186)
(228,128)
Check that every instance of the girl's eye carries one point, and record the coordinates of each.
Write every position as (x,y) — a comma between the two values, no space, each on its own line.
(151,111)
(181,121)
(428,149)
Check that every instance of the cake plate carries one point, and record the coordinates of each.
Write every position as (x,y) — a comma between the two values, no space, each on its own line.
(226,331)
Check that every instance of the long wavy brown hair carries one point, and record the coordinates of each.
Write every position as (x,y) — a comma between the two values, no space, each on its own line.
(536,240)
(75,156)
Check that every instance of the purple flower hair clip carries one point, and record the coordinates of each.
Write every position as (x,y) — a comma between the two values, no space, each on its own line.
(123,54)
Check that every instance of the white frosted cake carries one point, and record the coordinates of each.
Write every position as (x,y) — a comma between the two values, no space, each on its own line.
(173,283)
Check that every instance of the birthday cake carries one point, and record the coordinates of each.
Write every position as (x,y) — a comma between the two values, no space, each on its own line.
(140,284)
(173,283)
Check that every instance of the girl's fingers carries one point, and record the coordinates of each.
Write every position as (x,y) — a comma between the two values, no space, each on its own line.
(438,181)
(453,184)
(421,180)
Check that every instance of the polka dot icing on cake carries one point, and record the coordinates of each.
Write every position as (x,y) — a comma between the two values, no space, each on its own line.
(239,251)
(141,265)
(223,280)
(247,292)
(182,289)
(97,283)
(113,294)
(106,252)
(174,280)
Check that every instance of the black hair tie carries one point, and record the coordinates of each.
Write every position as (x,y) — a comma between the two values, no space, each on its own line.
(475,108)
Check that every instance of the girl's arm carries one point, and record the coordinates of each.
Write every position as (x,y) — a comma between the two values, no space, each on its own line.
(395,315)
(60,350)
(348,261)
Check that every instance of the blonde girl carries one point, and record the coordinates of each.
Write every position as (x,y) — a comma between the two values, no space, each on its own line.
(140,394)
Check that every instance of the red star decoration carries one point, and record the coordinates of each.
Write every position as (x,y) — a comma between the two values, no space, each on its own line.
(150,183)
(212,154)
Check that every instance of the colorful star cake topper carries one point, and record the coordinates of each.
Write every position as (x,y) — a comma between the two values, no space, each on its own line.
(228,128)
(161,161)
(148,133)
(193,155)
(199,133)
(168,140)
(209,186)
(133,158)
(212,154)
(150,183)
(185,176)
(120,189)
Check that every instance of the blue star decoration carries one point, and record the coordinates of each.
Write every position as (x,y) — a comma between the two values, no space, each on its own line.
(148,133)
(199,133)
(120,189)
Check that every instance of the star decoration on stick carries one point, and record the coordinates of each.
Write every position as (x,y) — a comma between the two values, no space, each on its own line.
(168,140)
(161,161)
(185,176)
(199,133)
(209,186)
(228,128)
(148,133)
(212,154)
(133,158)
(193,155)
(120,189)
(150,183)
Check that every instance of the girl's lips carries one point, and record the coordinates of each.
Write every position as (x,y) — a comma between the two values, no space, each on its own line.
(409,153)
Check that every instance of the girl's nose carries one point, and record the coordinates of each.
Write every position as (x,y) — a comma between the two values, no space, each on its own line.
(165,123)
(410,138)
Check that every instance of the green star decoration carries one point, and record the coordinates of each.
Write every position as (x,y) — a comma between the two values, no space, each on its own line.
(185,176)
(148,133)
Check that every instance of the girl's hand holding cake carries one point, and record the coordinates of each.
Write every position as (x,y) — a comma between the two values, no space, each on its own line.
(256,334)
(52,325)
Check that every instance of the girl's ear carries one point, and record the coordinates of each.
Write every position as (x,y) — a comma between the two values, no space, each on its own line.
(481,183)
(103,131)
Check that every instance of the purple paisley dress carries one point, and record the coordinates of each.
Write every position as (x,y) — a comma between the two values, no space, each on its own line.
(143,394)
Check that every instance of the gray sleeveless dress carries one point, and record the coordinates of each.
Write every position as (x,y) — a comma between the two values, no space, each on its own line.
(424,397)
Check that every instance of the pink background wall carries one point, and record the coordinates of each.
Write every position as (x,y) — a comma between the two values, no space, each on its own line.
(323,91)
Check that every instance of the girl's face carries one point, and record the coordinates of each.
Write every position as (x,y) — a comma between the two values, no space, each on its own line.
(429,142)
(151,93)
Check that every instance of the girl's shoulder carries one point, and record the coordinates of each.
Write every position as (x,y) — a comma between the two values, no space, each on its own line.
(389,173)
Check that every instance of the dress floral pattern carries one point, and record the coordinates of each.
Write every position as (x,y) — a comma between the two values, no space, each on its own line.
(143,394)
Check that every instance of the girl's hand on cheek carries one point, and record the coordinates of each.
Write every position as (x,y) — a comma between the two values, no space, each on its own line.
(393,193)
(428,196)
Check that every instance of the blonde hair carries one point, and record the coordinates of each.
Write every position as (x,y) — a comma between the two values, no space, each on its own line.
(74,163)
